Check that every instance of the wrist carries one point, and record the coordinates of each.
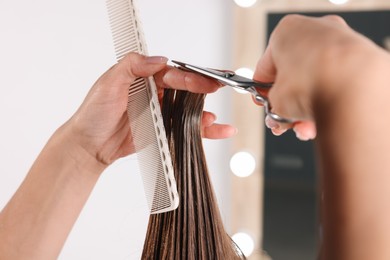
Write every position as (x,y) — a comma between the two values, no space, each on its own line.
(353,67)
(75,153)
(34,222)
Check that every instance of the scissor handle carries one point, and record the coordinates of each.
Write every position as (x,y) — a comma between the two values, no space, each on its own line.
(267,107)
(258,84)
(232,79)
(243,82)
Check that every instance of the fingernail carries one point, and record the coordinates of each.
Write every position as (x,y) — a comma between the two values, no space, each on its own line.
(278,132)
(156,59)
(167,78)
(272,124)
(305,132)
(188,79)
(232,131)
(302,136)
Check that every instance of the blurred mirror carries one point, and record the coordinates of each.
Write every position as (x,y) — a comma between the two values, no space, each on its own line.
(291,191)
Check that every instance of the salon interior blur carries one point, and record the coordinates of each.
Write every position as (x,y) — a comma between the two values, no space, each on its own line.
(266,186)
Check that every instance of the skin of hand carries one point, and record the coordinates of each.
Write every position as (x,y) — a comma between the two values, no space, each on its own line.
(100,126)
(335,81)
(37,220)
(271,68)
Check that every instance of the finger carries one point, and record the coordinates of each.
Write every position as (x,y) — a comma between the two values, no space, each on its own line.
(265,72)
(278,132)
(276,127)
(132,66)
(183,80)
(335,18)
(256,101)
(305,130)
(136,65)
(218,131)
(158,78)
(208,119)
(265,68)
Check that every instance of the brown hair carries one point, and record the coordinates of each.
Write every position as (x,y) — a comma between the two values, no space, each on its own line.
(195,229)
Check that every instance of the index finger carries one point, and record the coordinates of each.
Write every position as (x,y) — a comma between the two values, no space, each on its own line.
(265,68)
(265,72)
(184,80)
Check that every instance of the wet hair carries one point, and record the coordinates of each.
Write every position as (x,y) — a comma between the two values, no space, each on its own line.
(195,229)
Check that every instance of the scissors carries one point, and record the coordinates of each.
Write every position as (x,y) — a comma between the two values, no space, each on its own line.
(230,78)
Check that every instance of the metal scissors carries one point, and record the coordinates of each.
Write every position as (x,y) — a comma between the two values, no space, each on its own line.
(230,78)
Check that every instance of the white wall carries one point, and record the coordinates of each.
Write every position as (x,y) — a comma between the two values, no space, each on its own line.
(51,52)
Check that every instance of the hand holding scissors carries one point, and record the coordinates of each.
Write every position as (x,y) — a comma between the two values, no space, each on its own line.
(230,78)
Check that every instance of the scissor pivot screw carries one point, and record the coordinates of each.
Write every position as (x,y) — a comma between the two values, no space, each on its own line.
(229,74)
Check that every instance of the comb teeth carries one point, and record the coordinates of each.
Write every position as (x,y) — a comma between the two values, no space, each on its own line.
(125,27)
(144,113)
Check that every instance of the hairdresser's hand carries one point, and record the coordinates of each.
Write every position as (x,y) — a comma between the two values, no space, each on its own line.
(179,79)
(38,219)
(324,72)
(306,56)
(101,127)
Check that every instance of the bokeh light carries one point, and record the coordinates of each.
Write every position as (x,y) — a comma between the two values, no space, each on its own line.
(245,3)
(244,242)
(338,2)
(245,72)
(242,164)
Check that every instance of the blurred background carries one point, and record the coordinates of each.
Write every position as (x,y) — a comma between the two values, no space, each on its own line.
(53,51)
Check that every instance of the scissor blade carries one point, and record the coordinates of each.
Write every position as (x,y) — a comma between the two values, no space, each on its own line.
(221,76)
(230,78)
(225,77)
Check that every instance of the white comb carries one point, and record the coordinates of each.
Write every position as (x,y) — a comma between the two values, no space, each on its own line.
(144,113)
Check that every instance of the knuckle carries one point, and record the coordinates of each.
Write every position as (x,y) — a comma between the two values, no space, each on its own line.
(129,63)
(335,18)
(291,18)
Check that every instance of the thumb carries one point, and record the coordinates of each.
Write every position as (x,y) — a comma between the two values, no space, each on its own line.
(133,66)
(136,65)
